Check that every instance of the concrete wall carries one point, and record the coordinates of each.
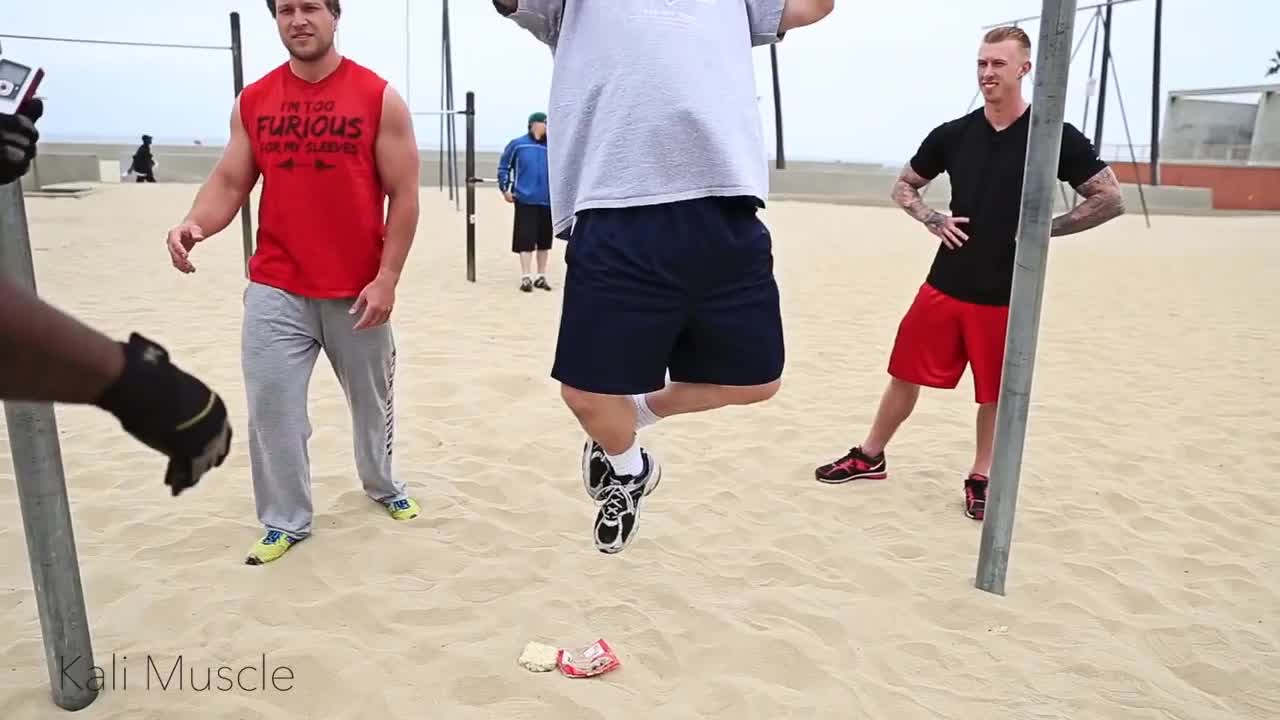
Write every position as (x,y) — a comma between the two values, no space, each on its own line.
(178,167)
(834,182)
(1266,130)
(57,168)
(872,188)
(1207,130)
(1233,187)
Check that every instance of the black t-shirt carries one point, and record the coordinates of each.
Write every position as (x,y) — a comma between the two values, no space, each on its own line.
(986,169)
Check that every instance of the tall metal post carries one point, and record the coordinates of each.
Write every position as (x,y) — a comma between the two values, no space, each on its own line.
(444,119)
(471,186)
(1044,145)
(42,496)
(454,193)
(1102,84)
(1093,58)
(237,73)
(1155,95)
(777,107)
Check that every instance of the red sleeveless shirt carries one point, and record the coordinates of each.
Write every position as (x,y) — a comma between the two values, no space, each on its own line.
(321,218)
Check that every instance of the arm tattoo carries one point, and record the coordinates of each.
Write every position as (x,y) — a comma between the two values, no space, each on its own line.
(906,194)
(1102,202)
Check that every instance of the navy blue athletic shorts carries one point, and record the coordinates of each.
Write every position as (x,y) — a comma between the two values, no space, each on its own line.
(684,287)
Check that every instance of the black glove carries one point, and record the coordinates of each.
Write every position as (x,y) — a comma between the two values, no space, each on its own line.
(18,137)
(170,411)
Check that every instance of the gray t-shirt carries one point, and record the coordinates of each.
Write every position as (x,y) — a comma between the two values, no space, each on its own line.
(652,101)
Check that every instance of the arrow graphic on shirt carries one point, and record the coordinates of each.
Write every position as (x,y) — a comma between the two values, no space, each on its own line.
(318,164)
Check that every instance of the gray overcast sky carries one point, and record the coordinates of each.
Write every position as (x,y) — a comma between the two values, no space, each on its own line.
(865,84)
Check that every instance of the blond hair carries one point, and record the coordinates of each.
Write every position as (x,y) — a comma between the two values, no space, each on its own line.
(1008,32)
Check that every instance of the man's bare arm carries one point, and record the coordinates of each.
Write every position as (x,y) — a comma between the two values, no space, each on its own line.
(799,13)
(226,188)
(1103,201)
(906,195)
(49,356)
(396,155)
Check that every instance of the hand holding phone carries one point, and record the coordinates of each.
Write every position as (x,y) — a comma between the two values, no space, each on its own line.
(18,83)
(19,111)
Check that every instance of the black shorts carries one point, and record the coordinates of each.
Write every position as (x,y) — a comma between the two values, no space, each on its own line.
(531,229)
(684,287)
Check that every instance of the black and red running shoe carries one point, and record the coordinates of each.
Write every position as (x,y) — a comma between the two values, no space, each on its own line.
(855,465)
(975,496)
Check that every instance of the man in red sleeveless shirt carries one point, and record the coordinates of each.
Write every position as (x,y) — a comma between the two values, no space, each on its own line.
(331,141)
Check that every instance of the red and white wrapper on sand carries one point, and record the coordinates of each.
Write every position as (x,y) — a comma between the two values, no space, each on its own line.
(594,659)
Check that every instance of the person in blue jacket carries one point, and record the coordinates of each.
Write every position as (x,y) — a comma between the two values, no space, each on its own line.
(523,180)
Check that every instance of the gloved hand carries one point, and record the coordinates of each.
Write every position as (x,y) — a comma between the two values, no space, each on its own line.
(169,411)
(18,136)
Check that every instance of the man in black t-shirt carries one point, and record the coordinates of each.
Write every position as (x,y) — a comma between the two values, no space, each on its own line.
(960,315)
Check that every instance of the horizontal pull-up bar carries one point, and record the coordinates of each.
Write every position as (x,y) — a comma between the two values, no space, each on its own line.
(176,46)
(1241,90)
(1082,8)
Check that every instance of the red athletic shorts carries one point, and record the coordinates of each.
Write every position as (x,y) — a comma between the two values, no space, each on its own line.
(940,335)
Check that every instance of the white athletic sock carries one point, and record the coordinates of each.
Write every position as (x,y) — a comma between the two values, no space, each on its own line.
(629,462)
(644,416)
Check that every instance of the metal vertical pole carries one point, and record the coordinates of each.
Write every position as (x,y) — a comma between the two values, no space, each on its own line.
(454,193)
(1093,58)
(1155,95)
(471,186)
(451,151)
(42,496)
(237,73)
(777,106)
(1044,146)
(1093,61)
(444,119)
(1102,84)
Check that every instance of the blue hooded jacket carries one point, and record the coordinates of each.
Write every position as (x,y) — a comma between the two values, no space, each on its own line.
(524,165)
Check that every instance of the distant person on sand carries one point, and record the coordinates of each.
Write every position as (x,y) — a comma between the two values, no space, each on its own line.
(960,314)
(523,180)
(334,146)
(144,163)
(51,357)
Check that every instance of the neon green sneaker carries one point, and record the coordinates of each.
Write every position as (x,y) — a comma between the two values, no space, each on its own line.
(270,547)
(406,509)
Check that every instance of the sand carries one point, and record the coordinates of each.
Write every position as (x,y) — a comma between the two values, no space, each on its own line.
(1144,580)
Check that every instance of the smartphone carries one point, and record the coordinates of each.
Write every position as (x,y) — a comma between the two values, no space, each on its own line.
(18,84)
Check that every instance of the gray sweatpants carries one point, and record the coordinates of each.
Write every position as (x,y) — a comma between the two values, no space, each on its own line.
(282,335)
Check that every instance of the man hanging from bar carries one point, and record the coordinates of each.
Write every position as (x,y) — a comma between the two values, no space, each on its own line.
(49,356)
(658,173)
(961,312)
